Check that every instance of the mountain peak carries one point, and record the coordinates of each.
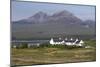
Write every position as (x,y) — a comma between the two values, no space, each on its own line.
(63,13)
(38,15)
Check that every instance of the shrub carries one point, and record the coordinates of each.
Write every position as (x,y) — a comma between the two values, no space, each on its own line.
(24,45)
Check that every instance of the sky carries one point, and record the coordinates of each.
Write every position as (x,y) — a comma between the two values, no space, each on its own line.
(22,10)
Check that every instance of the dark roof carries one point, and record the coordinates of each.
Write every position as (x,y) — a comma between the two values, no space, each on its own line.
(57,40)
(77,42)
(69,40)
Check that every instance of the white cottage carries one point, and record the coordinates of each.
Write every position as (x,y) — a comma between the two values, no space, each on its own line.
(71,41)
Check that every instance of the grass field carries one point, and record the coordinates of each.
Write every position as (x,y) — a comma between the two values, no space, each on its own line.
(49,55)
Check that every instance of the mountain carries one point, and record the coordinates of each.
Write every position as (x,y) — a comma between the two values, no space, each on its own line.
(42,25)
(38,17)
(66,17)
(60,17)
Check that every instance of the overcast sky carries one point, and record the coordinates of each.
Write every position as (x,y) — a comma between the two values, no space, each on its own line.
(22,10)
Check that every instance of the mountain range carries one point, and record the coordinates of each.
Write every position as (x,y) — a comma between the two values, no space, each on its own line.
(62,23)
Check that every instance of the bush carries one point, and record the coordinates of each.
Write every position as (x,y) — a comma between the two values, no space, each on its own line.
(24,45)
(90,43)
(59,46)
(45,45)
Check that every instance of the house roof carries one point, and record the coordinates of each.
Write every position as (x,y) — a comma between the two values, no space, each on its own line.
(77,41)
(69,40)
(57,40)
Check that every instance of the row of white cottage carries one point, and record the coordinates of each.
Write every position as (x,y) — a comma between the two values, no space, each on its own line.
(71,41)
(59,41)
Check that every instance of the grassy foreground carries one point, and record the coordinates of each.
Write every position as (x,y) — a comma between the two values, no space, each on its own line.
(48,55)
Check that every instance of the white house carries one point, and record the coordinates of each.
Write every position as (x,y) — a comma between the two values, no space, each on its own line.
(71,41)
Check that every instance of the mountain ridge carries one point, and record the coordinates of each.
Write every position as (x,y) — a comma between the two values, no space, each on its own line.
(44,16)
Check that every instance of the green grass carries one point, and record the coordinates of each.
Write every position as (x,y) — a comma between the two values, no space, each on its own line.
(48,55)
(91,43)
